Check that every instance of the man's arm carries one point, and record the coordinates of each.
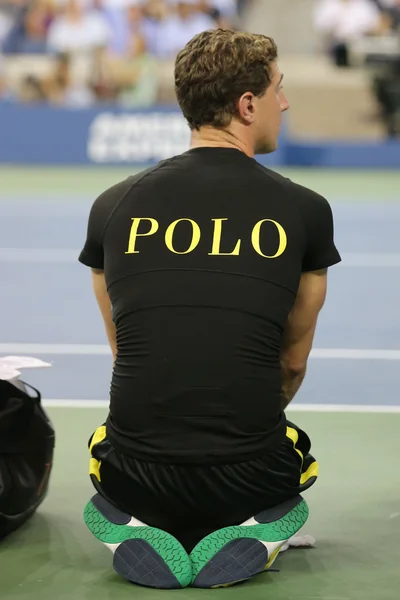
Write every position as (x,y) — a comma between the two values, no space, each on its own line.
(299,333)
(103,300)
(92,254)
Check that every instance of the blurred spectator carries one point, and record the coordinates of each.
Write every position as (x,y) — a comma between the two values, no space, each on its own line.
(104,50)
(227,8)
(78,28)
(386,80)
(135,82)
(125,19)
(59,88)
(9,13)
(155,15)
(224,12)
(386,86)
(128,70)
(342,22)
(391,9)
(29,33)
(5,93)
(242,4)
(383,61)
(166,32)
(6,24)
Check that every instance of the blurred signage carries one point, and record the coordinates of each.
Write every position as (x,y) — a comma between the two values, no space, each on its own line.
(43,135)
(136,137)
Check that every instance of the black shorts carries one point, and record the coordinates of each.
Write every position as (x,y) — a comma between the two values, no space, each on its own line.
(191,501)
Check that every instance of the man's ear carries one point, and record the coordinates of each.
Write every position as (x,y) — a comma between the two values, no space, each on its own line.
(246,107)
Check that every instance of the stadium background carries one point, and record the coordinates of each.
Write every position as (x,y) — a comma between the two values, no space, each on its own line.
(80,112)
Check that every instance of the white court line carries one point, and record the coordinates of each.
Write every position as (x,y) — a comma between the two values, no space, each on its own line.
(309,408)
(344,408)
(67,349)
(355,354)
(39,255)
(104,350)
(70,255)
(54,403)
(370,260)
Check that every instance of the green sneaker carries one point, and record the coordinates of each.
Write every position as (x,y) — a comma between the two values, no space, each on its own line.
(234,554)
(143,555)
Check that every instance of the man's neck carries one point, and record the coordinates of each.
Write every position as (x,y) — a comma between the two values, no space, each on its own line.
(208,137)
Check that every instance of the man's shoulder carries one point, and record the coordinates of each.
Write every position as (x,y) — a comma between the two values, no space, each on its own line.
(300,193)
(115,193)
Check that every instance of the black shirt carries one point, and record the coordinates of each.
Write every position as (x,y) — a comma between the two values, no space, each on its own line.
(203,256)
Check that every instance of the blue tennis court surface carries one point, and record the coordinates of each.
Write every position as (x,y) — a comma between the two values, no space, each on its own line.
(48,308)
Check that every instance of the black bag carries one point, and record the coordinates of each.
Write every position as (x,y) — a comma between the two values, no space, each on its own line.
(26,455)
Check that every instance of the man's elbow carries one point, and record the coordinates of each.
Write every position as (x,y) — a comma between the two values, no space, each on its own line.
(293,367)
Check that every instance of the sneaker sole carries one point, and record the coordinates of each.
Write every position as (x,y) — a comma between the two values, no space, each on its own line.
(143,555)
(238,553)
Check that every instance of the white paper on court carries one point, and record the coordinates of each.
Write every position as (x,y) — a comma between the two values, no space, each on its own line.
(10,366)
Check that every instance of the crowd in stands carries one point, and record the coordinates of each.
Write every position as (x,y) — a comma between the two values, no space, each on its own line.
(343,23)
(124,39)
(124,27)
(127,39)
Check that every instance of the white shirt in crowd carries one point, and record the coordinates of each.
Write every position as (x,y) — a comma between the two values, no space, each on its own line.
(6,24)
(91,31)
(346,20)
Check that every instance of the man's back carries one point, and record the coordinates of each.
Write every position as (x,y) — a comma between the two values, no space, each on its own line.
(203,256)
(210,273)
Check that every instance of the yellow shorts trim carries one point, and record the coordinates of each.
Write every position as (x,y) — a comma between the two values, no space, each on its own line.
(294,436)
(312,471)
(94,464)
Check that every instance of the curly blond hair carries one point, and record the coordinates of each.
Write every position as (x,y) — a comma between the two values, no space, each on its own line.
(215,68)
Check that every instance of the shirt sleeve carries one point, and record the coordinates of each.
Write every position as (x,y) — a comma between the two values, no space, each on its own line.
(320,249)
(92,254)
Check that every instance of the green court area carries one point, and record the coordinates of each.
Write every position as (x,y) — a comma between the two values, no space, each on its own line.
(355,517)
(60,182)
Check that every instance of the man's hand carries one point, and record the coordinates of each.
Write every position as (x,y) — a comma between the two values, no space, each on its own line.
(103,300)
(299,333)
